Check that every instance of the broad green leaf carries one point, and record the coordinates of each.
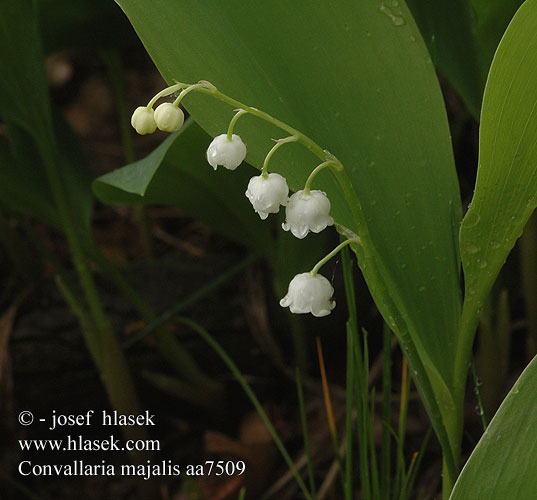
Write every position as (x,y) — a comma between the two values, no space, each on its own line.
(503,465)
(356,77)
(492,17)
(506,187)
(32,129)
(460,58)
(177,173)
(23,87)
(21,191)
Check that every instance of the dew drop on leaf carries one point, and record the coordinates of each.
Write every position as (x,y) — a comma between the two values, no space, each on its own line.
(395,18)
(471,219)
(471,248)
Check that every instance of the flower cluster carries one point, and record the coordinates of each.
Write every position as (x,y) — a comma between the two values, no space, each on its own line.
(167,117)
(305,211)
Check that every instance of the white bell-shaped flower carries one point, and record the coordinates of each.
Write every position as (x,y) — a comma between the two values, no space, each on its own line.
(143,120)
(307,212)
(266,194)
(229,154)
(169,118)
(309,294)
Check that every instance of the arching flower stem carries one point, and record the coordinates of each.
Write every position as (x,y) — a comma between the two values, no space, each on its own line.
(205,87)
(209,89)
(316,170)
(279,143)
(166,92)
(233,121)
(325,259)
(186,91)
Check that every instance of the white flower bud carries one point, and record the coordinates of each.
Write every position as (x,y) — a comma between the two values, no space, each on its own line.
(307,212)
(266,194)
(309,294)
(143,120)
(169,118)
(229,154)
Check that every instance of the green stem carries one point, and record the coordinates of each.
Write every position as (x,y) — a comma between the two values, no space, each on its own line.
(325,259)
(253,398)
(386,412)
(106,352)
(279,143)
(166,92)
(233,121)
(170,314)
(305,433)
(312,146)
(352,335)
(169,347)
(187,91)
(316,170)
(478,395)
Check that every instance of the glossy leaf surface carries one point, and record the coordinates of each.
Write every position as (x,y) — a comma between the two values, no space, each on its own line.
(503,464)
(506,187)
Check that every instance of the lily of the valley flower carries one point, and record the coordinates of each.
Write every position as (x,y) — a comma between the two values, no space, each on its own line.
(228,153)
(168,117)
(143,120)
(309,293)
(267,193)
(307,211)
